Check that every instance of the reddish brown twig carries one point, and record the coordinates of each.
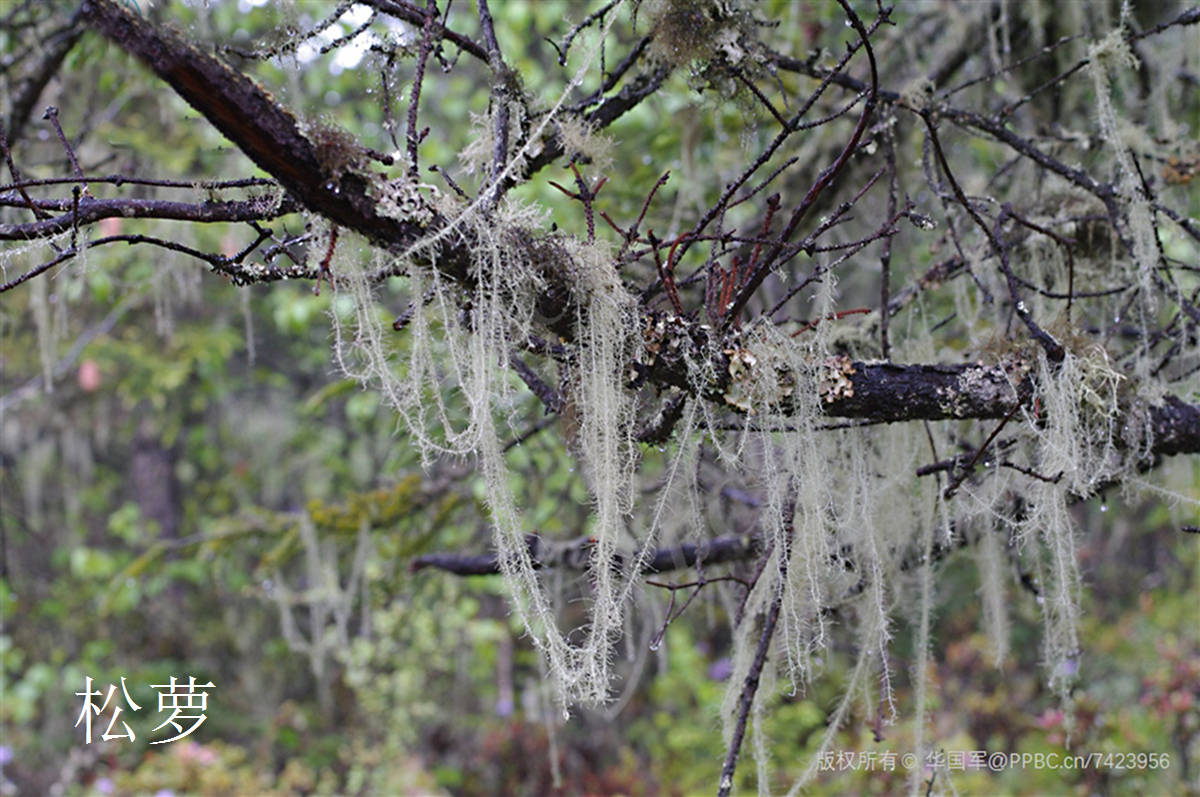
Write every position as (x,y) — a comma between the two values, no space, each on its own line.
(630,235)
(586,196)
(666,273)
(831,317)
(333,236)
(824,179)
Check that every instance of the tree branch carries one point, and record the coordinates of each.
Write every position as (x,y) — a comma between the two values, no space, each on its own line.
(409,13)
(576,555)
(749,690)
(93,210)
(26,94)
(267,133)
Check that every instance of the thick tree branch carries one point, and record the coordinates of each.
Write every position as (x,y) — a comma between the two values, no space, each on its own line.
(274,139)
(57,45)
(268,134)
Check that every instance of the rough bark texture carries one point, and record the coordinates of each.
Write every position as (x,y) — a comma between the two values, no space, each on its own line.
(265,131)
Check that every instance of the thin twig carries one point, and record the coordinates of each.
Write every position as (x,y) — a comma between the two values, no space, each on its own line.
(1053,348)
(824,179)
(410,13)
(500,94)
(16,175)
(753,676)
(952,488)
(885,256)
(575,31)
(121,179)
(423,50)
(52,114)
(549,397)
(672,614)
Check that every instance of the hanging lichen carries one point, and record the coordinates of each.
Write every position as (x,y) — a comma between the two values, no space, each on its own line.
(1110,54)
(464,339)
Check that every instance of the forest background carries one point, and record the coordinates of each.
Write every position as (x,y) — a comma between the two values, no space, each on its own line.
(193,485)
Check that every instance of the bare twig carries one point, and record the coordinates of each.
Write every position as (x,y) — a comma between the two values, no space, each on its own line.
(1053,348)
(674,614)
(754,674)
(500,98)
(595,16)
(885,257)
(54,49)
(409,12)
(549,397)
(93,210)
(423,51)
(823,180)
